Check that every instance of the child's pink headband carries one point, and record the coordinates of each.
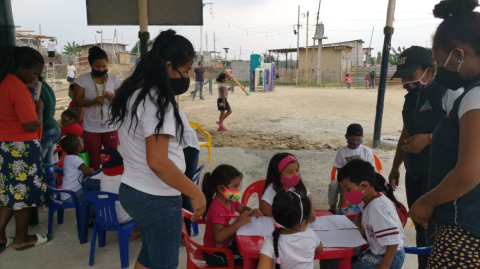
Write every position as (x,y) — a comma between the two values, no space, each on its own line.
(286,161)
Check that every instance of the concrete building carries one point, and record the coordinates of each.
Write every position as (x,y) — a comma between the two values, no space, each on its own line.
(107,47)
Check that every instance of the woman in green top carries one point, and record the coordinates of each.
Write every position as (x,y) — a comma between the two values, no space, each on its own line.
(51,132)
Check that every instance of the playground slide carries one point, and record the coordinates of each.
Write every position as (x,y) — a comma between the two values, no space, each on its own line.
(234,80)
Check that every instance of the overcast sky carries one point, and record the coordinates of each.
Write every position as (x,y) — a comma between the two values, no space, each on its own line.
(253,25)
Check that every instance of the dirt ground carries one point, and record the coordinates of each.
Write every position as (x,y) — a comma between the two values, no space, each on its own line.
(308,122)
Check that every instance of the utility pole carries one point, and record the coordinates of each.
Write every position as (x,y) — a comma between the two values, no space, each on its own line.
(214,50)
(298,44)
(201,33)
(370,45)
(319,47)
(388,31)
(206,41)
(7,27)
(306,57)
(240,56)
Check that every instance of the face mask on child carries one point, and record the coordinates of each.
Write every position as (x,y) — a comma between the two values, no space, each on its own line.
(355,197)
(232,196)
(290,182)
(354,145)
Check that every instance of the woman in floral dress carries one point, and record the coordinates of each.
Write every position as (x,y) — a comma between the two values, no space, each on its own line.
(22,184)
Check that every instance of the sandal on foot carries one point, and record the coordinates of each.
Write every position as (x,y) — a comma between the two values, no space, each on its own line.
(222,129)
(10,241)
(220,124)
(41,239)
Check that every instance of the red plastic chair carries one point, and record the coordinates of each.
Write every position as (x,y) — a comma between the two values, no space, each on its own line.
(321,213)
(195,255)
(256,187)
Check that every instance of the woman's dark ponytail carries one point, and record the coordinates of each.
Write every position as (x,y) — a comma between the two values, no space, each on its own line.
(150,76)
(276,235)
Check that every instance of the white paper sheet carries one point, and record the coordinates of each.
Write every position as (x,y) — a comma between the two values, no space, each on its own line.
(257,227)
(329,223)
(343,238)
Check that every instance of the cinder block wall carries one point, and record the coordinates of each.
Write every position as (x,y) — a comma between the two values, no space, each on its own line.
(241,70)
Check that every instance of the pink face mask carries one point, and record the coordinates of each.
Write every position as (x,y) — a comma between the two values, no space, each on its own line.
(290,182)
(355,197)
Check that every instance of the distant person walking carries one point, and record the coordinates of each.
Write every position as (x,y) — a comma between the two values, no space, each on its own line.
(71,73)
(348,80)
(51,44)
(372,79)
(199,80)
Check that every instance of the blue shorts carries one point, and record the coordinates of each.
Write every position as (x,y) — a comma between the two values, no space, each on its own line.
(368,260)
(71,80)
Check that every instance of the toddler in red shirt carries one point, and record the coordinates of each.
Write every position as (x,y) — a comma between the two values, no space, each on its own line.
(69,125)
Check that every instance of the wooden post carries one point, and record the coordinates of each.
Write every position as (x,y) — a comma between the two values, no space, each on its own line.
(144,35)
(307,80)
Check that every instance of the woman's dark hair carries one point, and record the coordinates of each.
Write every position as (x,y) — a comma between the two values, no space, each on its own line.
(70,143)
(381,185)
(286,212)
(150,76)
(96,53)
(273,175)
(70,113)
(348,75)
(221,77)
(357,171)
(12,57)
(221,176)
(71,87)
(460,24)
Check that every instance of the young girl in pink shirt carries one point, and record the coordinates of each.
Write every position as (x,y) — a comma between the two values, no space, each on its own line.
(222,192)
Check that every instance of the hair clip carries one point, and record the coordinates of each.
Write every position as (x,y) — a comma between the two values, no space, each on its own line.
(286,190)
(386,184)
(276,225)
(279,260)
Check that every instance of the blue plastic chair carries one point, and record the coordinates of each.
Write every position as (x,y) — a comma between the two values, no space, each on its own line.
(418,251)
(56,203)
(88,184)
(196,179)
(92,184)
(106,220)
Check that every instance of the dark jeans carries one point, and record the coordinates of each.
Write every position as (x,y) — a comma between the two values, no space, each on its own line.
(417,187)
(220,259)
(159,220)
(191,161)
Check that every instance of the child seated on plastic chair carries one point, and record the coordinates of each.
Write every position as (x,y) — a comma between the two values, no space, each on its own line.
(112,168)
(74,168)
(378,218)
(354,150)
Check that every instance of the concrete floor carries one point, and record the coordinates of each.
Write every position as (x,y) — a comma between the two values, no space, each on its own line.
(65,251)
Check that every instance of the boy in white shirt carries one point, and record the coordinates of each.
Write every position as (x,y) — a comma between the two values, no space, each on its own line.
(354,150)
(378,218)
(74,168)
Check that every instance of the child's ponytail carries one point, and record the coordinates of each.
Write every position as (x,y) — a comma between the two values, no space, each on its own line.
(381,185)
(276,235)
(208,189)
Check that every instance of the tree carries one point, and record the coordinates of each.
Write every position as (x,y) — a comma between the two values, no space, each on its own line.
(72,49)
(393,60)
(135,49)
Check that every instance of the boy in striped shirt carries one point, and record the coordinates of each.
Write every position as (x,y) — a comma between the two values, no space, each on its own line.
(378,219)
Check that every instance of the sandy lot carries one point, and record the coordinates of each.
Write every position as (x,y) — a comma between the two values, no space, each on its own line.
(309,122)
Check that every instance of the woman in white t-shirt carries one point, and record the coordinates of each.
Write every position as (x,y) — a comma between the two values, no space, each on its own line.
(151,128)
(94,91)
(293,245)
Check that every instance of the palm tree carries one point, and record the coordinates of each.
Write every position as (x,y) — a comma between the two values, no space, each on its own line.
(72,49)
(395,55)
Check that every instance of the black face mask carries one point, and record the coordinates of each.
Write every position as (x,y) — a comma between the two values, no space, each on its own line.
(180,85)
(99,74)
(450,79)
